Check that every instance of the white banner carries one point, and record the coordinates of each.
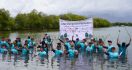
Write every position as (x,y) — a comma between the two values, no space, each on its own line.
(78,29)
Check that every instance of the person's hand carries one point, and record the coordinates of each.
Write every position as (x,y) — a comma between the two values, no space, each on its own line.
(104,50)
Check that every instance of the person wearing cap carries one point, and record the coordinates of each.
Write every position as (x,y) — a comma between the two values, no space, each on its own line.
(101,42)
(113,55)
(109,49)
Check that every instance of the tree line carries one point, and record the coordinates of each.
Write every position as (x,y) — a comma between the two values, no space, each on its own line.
(122,24)
(38,20)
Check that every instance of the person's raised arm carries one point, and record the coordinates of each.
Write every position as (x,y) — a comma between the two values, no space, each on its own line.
(61,41)
(73,39)
(106,52)
(118,38)
(128,43)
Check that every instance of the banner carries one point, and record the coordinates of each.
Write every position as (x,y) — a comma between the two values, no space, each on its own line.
(78,29)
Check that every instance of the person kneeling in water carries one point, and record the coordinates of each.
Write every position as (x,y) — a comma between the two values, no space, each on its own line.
(72,54)
(58,52)
(113,55)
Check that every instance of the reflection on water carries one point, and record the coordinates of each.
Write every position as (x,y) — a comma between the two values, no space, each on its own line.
(83,62)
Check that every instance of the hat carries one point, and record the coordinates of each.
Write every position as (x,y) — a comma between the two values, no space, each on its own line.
(109,41)
(58,43)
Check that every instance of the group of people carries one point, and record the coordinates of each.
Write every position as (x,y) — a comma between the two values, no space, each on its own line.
(72,48)
(93,46)
(16,49)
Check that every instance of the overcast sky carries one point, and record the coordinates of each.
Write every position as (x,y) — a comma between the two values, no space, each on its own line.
(113,10)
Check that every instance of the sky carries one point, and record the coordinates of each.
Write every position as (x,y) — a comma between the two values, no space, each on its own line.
(113,10)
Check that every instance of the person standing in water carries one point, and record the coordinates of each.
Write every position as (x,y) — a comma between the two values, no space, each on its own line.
(25,53)
(123,48)
(3,48)
(42,55)
(58,53)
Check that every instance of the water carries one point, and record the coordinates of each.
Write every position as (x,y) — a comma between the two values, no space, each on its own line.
(82,63)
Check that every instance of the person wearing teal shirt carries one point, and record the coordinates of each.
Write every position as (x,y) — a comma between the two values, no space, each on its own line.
(113,55)
(31,47)
(82,46)
(25,53)
(122,49)
(58,52)
(3,48)
(109,49)
(29,39)
(93,45)
(9,46)
(42,54)
(72,53)
(14,50)
(49,42)
(67,45)
(100,49)
(3,51)
(89,49)
(77,44)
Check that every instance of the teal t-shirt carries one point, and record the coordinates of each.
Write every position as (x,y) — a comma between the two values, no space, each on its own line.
(71,53)
(58,53)
(67,45)
(82,46)
(89,49)
(109,48)
(25,51)
(113,56)
(100,49)
(42,55)
(93,48)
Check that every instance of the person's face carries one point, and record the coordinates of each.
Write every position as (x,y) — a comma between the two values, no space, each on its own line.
(9,42)
(41,49)
(109,43)
(113,49)
(24,46)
